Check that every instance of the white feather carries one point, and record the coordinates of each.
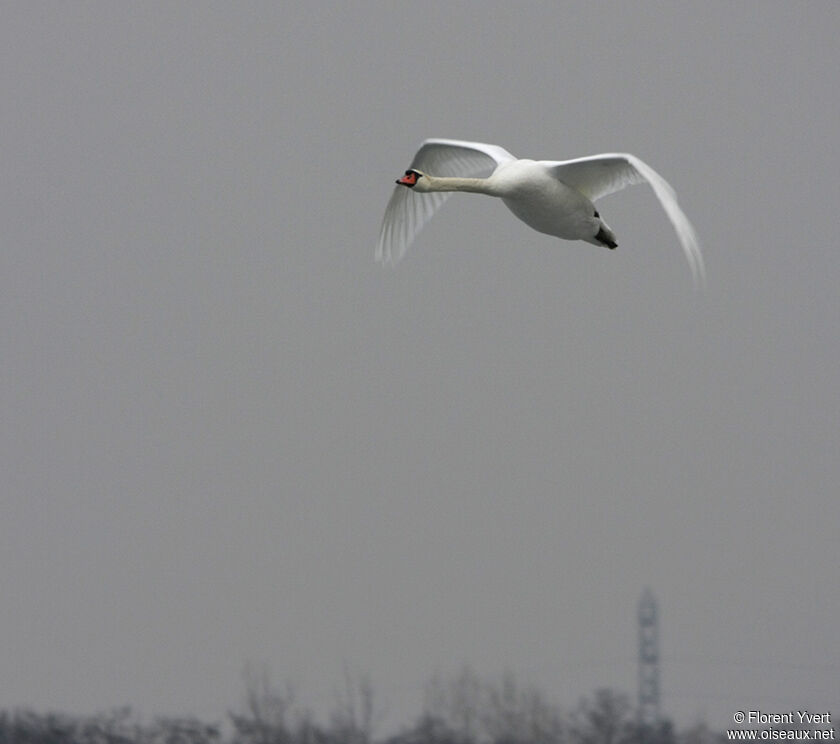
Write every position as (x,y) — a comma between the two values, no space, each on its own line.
(601,175)
(407,212)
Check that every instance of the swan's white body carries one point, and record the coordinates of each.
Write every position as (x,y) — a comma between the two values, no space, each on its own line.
(553,197)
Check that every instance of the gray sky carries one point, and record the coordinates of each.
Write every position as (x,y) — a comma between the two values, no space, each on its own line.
(228,435)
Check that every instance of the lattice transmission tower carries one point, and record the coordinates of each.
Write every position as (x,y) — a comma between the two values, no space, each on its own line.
(648,660)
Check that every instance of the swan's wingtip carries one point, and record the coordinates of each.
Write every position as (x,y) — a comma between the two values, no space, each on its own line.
(698,274)
(385,257)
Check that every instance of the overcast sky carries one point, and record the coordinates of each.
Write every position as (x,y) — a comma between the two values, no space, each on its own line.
(229,436)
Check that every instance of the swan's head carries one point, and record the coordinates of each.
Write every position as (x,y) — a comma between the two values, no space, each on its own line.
(411,179)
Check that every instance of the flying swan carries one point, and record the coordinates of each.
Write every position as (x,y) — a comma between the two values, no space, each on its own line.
(552,196)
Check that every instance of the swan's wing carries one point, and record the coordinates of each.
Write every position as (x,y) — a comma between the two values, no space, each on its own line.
(600,175)
(408,211)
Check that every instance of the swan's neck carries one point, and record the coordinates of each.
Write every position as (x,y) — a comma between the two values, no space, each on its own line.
(474,185)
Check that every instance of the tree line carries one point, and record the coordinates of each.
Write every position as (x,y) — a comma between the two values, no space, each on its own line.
(461,710)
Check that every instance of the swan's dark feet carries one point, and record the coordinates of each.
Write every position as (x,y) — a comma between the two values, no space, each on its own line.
(603,237)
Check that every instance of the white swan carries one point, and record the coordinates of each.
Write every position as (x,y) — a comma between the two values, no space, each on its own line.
(552,196)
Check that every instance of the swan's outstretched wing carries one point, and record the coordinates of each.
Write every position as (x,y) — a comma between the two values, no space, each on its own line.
(599,175)
(408,211)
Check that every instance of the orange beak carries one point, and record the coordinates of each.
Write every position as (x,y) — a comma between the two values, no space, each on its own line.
(409,179)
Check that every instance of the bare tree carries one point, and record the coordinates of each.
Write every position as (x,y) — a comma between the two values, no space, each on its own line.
(512,715)
(355,717)
(115,727)
(181,731)
(457,704)
(266,719)
(606,719)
